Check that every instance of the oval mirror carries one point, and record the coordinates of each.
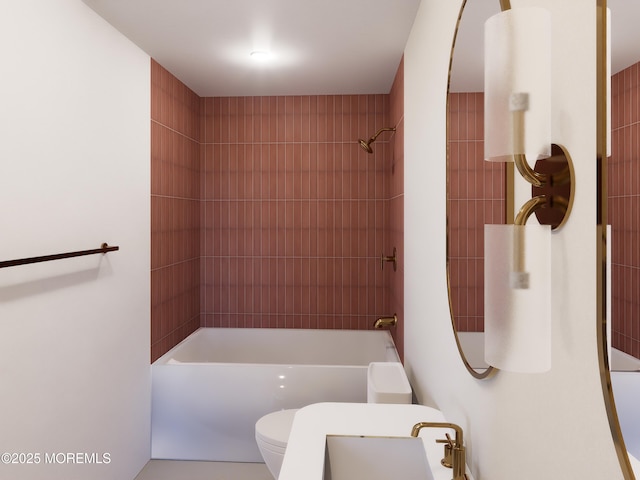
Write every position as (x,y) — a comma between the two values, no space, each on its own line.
(475,188)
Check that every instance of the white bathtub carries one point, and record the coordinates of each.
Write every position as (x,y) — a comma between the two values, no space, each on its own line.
(209,390)
(623,362)
(625,383)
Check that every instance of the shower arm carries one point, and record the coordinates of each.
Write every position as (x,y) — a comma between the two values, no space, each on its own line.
(386,129)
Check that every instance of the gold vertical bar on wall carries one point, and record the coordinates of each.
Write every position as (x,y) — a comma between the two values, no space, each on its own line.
(509,191)
(601,247)
(505,5)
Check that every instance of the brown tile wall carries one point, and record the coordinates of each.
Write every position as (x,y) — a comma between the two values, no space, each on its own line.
(624,209)
(475,198)
(294,213)
(175,211)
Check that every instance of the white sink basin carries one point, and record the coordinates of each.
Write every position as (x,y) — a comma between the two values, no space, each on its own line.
(361,426)
(352,457)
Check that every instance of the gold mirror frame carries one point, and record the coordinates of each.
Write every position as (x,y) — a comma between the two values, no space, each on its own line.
(601,248)
(490,370)
(602,221)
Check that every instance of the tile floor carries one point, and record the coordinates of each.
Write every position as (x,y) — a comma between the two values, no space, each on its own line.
(191,470)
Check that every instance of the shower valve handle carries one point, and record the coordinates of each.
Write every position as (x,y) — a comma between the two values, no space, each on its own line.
(393,258)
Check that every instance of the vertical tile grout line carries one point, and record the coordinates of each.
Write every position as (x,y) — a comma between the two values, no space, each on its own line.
(203,273)
(317,208)
(254,195)
(227,273)
(345,195)
(285,200)
(311,138)
(338,230)
(264,249)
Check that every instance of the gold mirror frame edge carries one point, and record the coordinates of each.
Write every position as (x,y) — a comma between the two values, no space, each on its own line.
(491,370)
(601,239)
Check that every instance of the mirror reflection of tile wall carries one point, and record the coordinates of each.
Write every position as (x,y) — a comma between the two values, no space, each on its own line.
(624,209)
(476,197)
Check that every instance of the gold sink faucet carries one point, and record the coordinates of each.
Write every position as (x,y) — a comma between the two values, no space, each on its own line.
(454,451)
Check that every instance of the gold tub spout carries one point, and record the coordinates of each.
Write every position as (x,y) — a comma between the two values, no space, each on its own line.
(454,451)
(383,322)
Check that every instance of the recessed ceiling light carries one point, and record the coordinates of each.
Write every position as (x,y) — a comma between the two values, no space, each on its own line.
(260,55)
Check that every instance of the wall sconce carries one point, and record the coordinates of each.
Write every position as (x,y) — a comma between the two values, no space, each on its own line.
(517,126)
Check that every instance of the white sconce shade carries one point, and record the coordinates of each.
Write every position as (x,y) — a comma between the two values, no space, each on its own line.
(518,79)
(517,320)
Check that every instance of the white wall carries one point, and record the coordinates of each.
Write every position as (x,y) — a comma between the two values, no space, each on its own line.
(74,172)
(553,425)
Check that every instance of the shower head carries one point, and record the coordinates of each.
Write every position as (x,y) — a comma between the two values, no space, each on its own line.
(366,144)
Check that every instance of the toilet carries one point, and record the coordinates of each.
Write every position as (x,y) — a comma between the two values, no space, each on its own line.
(386,383)
(272,434)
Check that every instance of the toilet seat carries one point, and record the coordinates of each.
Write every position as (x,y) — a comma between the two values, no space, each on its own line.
(274,428)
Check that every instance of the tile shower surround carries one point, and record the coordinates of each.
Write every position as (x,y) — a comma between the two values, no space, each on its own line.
(175,211)
(266,213)
(624,209)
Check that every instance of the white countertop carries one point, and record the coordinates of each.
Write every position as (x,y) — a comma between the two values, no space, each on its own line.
(305,453)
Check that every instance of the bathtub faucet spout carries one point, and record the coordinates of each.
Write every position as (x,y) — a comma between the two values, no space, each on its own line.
(383,322)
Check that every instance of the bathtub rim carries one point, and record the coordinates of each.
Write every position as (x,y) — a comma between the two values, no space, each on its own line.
(167,359)
(621,361)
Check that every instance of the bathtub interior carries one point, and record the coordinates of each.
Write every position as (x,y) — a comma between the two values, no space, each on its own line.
(623,362)
(283,346)
(626,392)
(625,383)
(472,344)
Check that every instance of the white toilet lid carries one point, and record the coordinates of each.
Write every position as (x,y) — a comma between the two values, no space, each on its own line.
(274,428)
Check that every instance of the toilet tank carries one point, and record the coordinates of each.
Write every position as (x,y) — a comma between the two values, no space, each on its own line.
(387,382)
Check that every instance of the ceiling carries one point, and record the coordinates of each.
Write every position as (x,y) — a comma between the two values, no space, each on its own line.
(318,46)
(625,34)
